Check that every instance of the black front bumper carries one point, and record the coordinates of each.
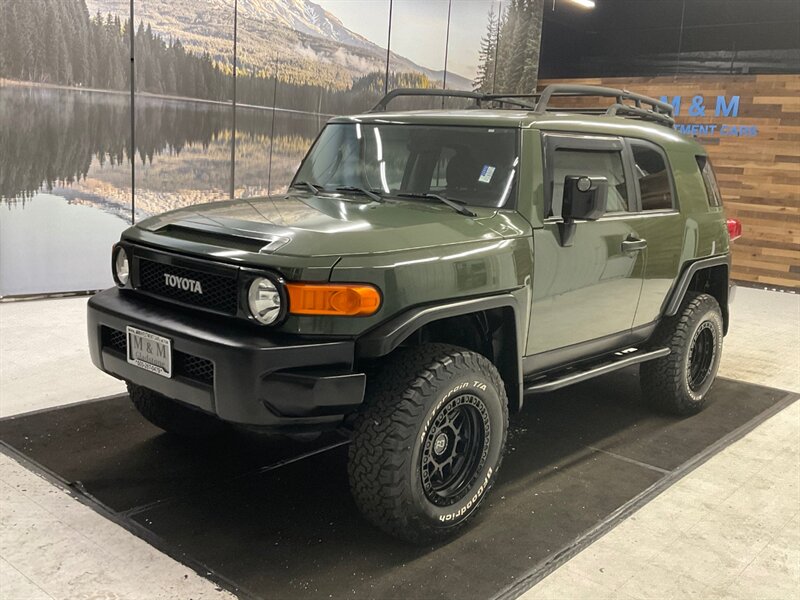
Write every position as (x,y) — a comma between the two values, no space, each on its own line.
(230,369)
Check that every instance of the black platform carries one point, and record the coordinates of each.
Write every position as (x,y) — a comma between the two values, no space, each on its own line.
(275,520)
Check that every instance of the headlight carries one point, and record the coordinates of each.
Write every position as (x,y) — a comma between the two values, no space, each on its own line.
(122,269)
(264,300)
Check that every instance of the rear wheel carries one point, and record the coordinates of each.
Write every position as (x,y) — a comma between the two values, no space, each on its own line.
(679,383)
(172,416)
(429,442)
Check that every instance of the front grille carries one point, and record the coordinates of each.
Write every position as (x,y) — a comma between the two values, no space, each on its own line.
(194,367)
(219,293)
(184,365)
(116,340)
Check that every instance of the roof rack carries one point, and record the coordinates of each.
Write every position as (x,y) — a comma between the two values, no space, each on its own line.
(643,107)
(478,97)
(658,111)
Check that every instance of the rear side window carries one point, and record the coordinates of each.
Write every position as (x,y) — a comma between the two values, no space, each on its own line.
(653,175)
(590,163)
(709,180)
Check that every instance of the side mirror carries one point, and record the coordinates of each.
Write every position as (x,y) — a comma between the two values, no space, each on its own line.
(584,198)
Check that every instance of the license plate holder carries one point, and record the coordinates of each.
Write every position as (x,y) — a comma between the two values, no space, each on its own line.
(149,351)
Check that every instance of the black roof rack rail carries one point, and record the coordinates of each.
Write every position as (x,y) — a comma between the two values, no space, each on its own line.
(478,97)
(642,107)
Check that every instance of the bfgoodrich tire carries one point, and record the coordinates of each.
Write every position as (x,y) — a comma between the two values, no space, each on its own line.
(171,416)
(427,446)
(679,383)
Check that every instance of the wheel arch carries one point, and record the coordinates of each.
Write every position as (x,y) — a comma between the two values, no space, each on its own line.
(709,276)
(490,326)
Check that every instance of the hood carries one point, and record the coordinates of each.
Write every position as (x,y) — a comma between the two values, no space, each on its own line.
(301,224)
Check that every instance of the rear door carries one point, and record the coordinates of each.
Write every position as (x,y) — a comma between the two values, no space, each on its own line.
(661,224)
(587,291)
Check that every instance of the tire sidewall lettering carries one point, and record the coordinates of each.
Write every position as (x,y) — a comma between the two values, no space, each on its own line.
(476,385)
(716,327)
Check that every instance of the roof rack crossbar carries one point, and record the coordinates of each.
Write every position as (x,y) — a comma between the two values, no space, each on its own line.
(634,111)
(478,97)
(381,106)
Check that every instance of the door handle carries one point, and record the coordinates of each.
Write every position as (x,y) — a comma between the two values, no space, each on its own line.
(633,244)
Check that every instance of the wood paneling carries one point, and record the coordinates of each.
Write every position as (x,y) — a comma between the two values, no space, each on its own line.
(759,176)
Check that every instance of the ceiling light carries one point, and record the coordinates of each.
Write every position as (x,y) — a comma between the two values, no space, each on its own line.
(584,3)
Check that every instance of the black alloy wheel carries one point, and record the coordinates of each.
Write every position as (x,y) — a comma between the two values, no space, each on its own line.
(455,449)
(701,355)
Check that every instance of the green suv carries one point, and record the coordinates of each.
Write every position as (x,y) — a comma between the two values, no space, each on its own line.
(425,272)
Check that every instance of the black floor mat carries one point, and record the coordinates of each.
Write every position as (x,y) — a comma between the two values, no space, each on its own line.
(275,519)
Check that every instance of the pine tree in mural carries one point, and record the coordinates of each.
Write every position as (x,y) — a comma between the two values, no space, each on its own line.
(515,42)
(484,79)
(57,42)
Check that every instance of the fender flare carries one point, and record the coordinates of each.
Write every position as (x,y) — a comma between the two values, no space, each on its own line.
(387,336)
(681,286)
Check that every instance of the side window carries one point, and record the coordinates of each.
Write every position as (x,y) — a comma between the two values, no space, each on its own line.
(653,176)
(710,181)
(591,163)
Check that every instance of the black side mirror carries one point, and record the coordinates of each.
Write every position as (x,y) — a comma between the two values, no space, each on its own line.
(584,198)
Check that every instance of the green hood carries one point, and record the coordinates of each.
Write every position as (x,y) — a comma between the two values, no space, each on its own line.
(301,224)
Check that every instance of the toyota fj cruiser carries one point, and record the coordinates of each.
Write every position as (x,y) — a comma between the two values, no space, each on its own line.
(425,271)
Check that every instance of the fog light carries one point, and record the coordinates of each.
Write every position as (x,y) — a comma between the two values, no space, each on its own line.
(122,270)
(264,300)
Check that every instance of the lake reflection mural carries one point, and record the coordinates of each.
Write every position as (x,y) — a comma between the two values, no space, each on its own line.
(65,105)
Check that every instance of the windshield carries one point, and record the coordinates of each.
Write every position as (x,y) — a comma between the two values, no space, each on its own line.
(474,165)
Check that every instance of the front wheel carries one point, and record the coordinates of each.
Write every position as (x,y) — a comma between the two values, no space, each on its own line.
(428,445)
(679,383)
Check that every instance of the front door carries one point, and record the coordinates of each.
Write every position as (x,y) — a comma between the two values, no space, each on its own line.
(587,289)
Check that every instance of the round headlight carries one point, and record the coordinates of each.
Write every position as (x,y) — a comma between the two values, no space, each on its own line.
(122,269)
(264,300)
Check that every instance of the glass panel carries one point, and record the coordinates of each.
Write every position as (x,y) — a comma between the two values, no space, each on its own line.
(419,32)
(589,163)
(654,184)
(294,134)
(470,164)
(710,181)
(184,90)
(473,37)
(64,134)
(323,68)
(356,32)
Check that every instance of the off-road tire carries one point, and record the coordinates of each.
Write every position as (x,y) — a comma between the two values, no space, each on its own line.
(667,383)
(172,416)
(407,400)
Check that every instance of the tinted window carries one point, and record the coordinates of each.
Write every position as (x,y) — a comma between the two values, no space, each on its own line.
(476,165)
(590,163)
(710,181)
(653,176)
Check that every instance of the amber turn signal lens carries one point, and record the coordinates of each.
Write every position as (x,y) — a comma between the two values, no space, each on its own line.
(333,299)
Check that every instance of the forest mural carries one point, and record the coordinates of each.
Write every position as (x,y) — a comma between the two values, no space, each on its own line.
(509,51)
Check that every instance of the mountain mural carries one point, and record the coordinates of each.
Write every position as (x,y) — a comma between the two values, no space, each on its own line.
(311,45)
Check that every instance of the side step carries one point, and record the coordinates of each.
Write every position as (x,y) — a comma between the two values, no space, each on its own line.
(626,358)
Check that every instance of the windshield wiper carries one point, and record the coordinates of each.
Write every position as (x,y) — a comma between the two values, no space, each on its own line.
(360,190)
(454,204)
(312,186)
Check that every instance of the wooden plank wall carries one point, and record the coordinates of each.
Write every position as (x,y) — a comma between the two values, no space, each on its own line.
(759,176)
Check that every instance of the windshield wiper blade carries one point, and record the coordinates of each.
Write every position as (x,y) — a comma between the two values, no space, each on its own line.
(312,186)
(454,204)
(351,188)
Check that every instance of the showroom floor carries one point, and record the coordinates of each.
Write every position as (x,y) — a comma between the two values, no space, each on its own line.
(731,528)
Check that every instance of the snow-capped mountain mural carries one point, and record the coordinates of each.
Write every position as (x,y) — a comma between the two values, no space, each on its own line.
(311,44)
